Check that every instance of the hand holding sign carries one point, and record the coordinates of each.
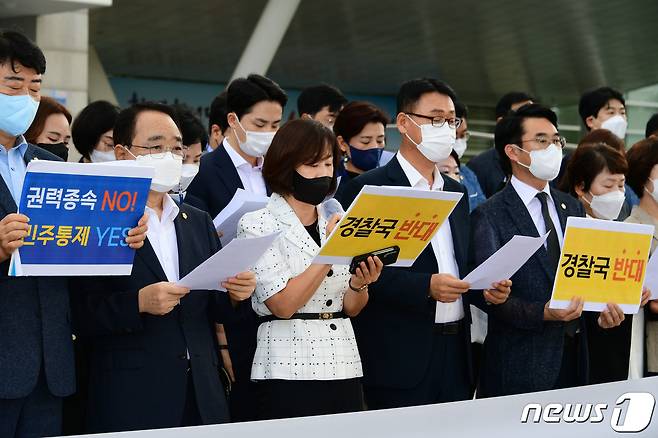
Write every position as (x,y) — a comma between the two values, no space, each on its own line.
(13,228)
(137,236)
(602,262)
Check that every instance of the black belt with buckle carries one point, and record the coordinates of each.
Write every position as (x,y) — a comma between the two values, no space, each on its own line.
(322,316)
(448,328)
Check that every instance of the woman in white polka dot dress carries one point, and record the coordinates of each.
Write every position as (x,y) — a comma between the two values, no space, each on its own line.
(307,361)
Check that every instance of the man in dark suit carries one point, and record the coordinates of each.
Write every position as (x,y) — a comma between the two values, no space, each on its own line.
(36,348)
(486,165)
(414,334)
(254,107)
(530,347)
(154,357)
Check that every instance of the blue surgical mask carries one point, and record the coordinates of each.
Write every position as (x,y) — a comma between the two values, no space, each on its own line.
(365,159)
(17,113)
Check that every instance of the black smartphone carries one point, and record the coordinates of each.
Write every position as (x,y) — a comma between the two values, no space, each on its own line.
(388,256)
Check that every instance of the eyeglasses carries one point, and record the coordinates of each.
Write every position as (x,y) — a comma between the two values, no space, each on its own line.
(158,150)
(544,141)
(439,121)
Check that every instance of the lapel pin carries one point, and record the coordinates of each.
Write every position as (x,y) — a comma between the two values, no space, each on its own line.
(185,214)
(564,207)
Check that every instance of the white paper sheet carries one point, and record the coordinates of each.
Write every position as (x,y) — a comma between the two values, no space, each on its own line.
(243,202)
(651,277)
(504,263)
(238,256)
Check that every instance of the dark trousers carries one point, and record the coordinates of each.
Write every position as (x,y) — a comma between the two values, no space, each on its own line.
(568,377)
(446,379)
(39,414)
(242,399)
(303,398)
(191,415)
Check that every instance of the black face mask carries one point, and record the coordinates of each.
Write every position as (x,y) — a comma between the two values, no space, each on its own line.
(59,149)
(310,190)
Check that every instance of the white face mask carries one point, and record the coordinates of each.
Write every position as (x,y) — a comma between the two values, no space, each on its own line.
(97,156)
(617,125)
(460,146)
(653,194)
(435,143)
(607,206)
(188,172)
(167,167)
(545,163)
(257,143)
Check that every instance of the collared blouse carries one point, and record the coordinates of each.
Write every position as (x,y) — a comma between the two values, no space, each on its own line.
(298,349)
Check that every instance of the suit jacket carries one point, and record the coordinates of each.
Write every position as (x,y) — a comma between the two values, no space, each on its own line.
(211,190)
(394,331)
(35,329)
(138,362)
(522,352)
(216,183)
(490,174)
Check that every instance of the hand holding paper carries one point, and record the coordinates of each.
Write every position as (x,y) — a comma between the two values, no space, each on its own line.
(241,287)
(243,202)
(504,263)
(236,257)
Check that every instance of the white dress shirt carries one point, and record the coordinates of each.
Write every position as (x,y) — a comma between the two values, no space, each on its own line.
(442,244)
(251,177)
(528,195)
(297,349)
(162,237)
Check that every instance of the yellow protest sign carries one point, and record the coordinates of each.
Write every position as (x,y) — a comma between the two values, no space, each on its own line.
(381,217)
(602,262)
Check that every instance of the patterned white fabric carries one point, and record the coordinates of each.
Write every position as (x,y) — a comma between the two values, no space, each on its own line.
(298,349)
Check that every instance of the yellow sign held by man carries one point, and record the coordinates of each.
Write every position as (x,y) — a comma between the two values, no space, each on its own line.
(602,262)
(382,217)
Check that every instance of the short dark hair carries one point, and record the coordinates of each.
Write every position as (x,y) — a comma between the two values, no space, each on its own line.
(93,121)
(592,101)
(461,110)
(16,47)
(641,157)
(124,128)
(190,126)
(354,116)
(218,112)
(652,126)
(298,142)
(510,129)
(505,103)
(243,93)
(411,91)
(312,99)
(604,136)
(47,107)
(589,160)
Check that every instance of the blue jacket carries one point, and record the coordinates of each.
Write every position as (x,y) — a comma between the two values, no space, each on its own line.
(490,174)
(35,321)
(522,352)
(470,181)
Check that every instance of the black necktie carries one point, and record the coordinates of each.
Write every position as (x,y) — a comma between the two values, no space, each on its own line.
(552,244)
(553,250)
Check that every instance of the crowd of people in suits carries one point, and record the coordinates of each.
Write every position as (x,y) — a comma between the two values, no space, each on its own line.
(291,337)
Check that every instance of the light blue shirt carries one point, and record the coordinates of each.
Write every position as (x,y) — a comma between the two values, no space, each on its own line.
(13,167)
